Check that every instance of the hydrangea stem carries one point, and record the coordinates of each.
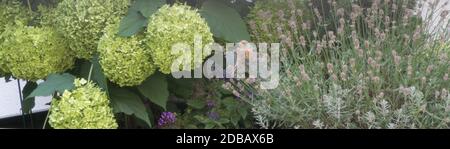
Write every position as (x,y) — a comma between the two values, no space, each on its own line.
(49,110)
(46,118)
(90,72)
(21,104)
(29,5)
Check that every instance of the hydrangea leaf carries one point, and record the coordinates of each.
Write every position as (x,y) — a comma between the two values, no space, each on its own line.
(148,7)
(132,23)
(181,87)
(155,89)
(225,22)
(125,101)
(54,83)
(28,104)
(98,75)
(136,18)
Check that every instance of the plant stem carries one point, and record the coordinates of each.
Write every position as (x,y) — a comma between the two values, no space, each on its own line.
(29,5)
(48,113)
(90,72)
(21,104)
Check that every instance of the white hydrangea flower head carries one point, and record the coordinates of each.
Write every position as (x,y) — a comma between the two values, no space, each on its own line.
(85,107)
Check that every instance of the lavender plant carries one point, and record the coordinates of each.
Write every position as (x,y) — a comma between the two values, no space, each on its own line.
(374,66)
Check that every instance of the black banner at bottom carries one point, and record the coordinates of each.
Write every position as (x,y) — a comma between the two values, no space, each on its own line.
(212,138)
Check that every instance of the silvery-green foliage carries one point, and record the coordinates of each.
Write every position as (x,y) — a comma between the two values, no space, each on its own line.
(171,25)
(335,101)
(82,22)
(378,75)
(85,107)
(125,61)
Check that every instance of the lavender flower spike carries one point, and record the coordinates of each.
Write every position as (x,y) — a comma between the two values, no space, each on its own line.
(166,118)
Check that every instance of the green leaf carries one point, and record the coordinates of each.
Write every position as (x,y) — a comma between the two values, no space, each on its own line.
(243,112)
(200,119)
(230,103)
(7,78)
(223,121)
(196,104)
(137,16)
(173,107)
(155,89)
(234,119)
(181,87)
(148,7)
(125,101)
(54,83)
(97,75)
(131,24)
(28,104)
(209,125)
(224,21)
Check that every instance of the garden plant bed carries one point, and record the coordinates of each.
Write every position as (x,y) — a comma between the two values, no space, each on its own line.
(176,64)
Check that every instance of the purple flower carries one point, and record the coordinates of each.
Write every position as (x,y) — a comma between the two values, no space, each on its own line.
(166,118)
(210,104)
(213,115)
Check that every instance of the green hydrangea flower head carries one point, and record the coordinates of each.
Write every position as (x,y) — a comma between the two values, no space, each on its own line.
(47,16)
(125,61)
(172,25)
(82,22)
(32,53)
(85,107)
(11,12)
